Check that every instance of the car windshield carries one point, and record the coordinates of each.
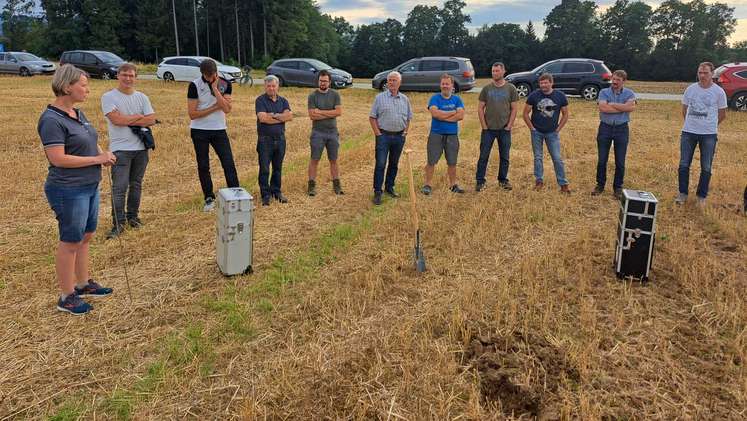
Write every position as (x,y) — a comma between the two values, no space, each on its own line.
(27,57)
(109,57)
(318,65)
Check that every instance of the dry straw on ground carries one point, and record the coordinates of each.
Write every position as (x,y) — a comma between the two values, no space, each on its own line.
(518,316)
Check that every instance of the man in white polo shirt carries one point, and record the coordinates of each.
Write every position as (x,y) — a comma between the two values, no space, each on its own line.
(125,107)
(208,102)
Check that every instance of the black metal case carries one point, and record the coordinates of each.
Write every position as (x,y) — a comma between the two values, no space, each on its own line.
(636,232)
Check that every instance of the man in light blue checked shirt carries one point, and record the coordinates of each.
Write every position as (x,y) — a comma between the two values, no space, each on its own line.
(390,118)
(615,105)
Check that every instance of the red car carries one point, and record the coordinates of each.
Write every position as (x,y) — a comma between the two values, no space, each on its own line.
(733,78)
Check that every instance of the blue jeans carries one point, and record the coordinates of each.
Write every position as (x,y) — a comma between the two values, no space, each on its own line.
(487,137)
(707,145)
(605,137)
(552,140)
(271,150)
(388,148)
(76,209)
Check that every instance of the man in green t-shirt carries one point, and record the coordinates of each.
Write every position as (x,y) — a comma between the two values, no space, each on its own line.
(497,108)
(324,108)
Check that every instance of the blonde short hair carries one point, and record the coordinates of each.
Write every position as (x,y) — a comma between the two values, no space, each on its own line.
(65,76)
(124,67)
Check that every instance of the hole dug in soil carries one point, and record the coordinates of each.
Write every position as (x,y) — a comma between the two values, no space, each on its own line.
(520,373)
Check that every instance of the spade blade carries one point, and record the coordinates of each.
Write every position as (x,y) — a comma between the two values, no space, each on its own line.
(419,255)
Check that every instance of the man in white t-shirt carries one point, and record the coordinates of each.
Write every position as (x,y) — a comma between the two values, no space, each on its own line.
(125,107)
(703,108)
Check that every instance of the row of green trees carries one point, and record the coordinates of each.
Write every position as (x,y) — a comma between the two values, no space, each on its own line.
(664,43)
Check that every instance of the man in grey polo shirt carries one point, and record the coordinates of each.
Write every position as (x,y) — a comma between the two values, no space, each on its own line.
(124,107)
(390,118)
(324,108)
(615,105)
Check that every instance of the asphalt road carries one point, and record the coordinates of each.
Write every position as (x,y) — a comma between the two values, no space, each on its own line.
(356,85)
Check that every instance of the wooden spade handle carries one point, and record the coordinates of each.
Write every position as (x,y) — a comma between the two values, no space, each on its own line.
(413,204)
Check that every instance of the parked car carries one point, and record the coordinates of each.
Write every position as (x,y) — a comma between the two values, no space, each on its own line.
(733,78)
(101,64)
(187,68)
(305,72)
(424,74)
(24,64)
(575,76)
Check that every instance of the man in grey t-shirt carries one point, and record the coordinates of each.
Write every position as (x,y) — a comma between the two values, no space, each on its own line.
(124,107)
(324,108)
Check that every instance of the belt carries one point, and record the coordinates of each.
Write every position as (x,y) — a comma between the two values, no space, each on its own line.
(387,132)
(615,125)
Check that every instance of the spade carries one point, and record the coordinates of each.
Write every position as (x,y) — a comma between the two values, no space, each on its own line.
(419,256)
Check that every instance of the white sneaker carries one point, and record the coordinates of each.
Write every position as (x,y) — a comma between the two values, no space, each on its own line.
(209,205)
(681,199)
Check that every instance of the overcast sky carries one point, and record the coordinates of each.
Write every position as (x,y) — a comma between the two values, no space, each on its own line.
(485,11)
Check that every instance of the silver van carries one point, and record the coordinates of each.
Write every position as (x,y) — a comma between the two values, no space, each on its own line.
(424,74)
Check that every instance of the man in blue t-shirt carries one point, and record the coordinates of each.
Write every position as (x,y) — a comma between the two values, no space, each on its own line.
(273,111)
(447,110)
(549,110)
(615,105)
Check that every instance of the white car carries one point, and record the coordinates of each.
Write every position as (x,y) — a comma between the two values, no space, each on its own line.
(187,68)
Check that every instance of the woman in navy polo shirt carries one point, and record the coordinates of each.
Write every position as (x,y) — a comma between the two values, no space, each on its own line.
(72,186)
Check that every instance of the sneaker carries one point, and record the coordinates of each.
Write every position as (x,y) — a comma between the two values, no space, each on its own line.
(115,232)
(135,223)
(598,190)
(701,202)
(209,205)
(479,187)
(266,201)
(337,187)
(618,193)
(311,190)
(565,189)
(280,197)
(377,198)
(539,185)
(681,199)
(93,289)
(392,193)
(426,190)
(456,189)
(506,185)
(73,304)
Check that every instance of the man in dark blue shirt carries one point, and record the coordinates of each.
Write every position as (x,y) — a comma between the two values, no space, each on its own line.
(272,113)
(549,110)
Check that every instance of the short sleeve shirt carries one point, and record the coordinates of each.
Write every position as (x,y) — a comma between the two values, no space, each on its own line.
(264,104)
(441,103)
(200,90)
(324,101)
(546,109)
(498,104)
(702,108)
(121,138)
(78,137)
(609,96)
(392,112)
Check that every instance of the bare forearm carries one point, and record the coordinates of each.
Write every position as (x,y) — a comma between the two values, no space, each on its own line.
(145,121)
(375,126)
(195,114)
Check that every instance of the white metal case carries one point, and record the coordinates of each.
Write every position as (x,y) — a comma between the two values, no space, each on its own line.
(234,231)
(636,234)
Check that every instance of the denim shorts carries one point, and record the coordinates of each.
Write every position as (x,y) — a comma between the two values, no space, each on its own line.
(76,209)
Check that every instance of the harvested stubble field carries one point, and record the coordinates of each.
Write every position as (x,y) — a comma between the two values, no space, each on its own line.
(519,314)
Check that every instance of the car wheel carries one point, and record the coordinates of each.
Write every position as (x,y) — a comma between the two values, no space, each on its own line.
(739,101)
(383,86)
(590,92)
(168,77)
(456,88)
(281,82)
(24,72)
(106,76)
(523,89)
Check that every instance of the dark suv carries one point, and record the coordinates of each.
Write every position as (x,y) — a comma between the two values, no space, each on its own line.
(305,72)
(101,64)
(732,77)
(576,76)
(424,74)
